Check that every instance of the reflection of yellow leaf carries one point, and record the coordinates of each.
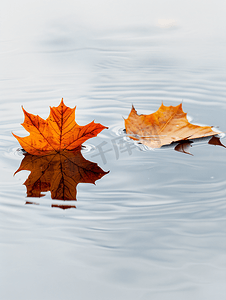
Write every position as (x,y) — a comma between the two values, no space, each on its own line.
(58,132)
(63,206)
(168,124)
(183,147)
(216,141)
(59,173)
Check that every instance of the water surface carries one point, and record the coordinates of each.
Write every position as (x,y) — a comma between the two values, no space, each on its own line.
(154,226)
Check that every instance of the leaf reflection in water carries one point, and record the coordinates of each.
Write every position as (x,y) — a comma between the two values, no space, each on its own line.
(59,173)
(185,145)
(216,141)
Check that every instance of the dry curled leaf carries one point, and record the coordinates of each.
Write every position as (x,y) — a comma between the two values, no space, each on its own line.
(59,173)
(168,124)
(58,132)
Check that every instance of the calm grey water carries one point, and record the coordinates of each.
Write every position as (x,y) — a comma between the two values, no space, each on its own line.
(154,226)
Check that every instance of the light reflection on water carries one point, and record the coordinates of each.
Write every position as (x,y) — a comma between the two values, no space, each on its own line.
(154,227)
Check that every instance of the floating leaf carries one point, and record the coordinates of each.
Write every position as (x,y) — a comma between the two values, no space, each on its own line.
(168,124)
(58,132)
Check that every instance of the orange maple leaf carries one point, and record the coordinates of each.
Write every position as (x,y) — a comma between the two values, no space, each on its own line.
(58,132)
(59,173)
(168,124)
